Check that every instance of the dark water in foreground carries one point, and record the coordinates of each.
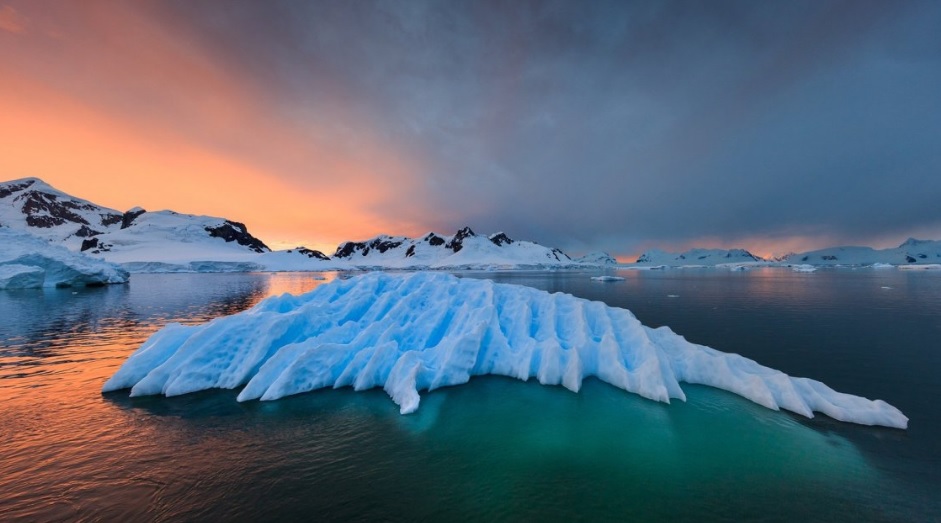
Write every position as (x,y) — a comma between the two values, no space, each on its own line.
(494,449)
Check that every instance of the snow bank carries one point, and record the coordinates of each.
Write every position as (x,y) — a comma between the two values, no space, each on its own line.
(27,261)
(421,331)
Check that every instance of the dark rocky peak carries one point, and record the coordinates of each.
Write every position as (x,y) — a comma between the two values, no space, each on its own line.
(433,239)
(457,243)
(15,186)
(237,232)
(500,239)
(310,253)
(346,249)
(559,255)
(110,219)
(45,210)
(46,207)
(381,244)
(128,217)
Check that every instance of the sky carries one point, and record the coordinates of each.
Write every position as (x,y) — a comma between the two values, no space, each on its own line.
(619,126)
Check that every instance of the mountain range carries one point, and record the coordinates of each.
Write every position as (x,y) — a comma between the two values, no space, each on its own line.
(167,240)
(161,241)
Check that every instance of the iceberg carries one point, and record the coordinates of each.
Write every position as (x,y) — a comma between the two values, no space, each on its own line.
(28,261)
(413,332)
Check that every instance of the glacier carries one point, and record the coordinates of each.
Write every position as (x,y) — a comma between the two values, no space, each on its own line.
(420,331)
(28,261)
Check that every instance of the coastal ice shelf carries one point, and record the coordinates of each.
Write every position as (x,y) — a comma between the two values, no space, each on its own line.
(27,261)
(422,331)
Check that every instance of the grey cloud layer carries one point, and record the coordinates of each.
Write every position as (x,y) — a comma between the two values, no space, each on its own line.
(614,124)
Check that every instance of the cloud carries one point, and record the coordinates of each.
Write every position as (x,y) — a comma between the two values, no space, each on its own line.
(11,21)
(612,125)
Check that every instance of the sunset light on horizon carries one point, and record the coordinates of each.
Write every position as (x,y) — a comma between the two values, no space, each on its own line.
(319,124)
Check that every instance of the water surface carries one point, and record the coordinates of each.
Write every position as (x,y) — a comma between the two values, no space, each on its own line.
(496,448)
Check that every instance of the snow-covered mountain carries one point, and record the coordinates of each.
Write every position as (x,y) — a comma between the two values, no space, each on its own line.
(167,241)
(34,206)
(464,249)
(912,251)
(697,257)
(596,258)
(31,205)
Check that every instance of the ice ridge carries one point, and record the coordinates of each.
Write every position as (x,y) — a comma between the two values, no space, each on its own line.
(422,331)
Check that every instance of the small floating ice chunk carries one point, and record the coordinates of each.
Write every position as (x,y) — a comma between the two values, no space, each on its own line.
(803,268)
(921,267)
(673,295)
(883,266)
(607,278)
(421,331)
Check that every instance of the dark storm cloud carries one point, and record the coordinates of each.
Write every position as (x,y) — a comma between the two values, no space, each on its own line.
(594,124)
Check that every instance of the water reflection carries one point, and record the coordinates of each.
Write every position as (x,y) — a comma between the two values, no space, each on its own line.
(494,449)
(500,449)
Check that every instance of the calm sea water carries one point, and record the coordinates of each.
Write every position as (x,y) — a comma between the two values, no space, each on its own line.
(496,448)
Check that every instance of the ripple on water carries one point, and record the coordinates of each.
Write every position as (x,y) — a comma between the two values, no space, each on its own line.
(493,449)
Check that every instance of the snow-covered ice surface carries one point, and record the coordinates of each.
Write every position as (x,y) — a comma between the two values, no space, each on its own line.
(420,331)
(27,261)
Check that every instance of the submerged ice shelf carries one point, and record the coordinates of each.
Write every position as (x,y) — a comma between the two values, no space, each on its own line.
(421,331)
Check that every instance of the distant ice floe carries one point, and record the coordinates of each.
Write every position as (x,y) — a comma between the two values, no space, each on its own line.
(421,331)
(923,267)
(803,268)
(607,278)
(27,261)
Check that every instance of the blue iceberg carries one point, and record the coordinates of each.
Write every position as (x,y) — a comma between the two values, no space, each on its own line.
(421,331)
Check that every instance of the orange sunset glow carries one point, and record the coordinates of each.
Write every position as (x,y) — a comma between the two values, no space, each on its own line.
(302,189)
(316,124)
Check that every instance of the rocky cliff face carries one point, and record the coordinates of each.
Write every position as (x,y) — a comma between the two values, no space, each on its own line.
(237,232)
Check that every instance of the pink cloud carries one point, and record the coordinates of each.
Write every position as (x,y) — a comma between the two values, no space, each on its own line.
(11,21)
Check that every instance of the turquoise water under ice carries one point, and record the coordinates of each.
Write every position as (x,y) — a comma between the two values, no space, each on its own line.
(496,448)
